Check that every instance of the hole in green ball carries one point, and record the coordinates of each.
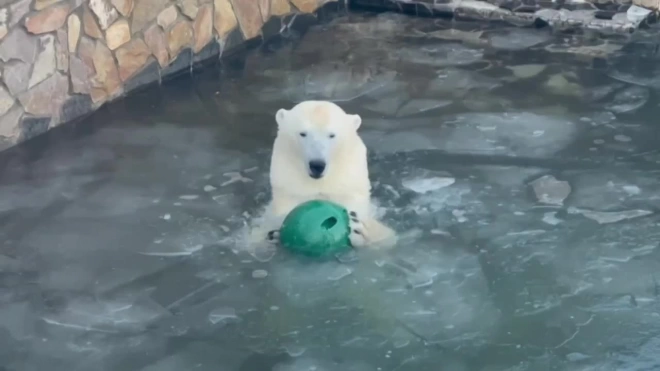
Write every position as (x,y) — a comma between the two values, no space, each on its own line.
(329,223)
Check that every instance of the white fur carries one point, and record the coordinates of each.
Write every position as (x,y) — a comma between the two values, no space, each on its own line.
(330,136)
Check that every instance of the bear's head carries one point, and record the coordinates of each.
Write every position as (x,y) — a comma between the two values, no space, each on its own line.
(318,132)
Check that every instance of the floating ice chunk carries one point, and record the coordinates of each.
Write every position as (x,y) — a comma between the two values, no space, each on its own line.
(259,273)
(416,106)
(167,254)
(401,338)
(392,191)
(420,313)
(459,215)
(621,190)
(644,250)
(392,142)
(442,54)
(622,138)
(509,176)
(402,343)
(517,39)
(603,118)
(188,197)
(652,81)
(457,82)
(341,272)
(620,303)
(384,25)
(470,37)
(447,199)
(349,256)
(74,326)
(526,71)
(631,190)
(637,14)
(111,201)
(294,350)
(558,84)
(209,188)
(184,252)
(221,199)
(629,99)
(514,134)
(327,82)
(393,89)
(576,357)
(487,102)
(223,315)
(386,106)
(421,279)
(257,247)
(426,185)
(625,256)
(440,232)
(234,177)
(606,217)
(111,315)
(599,92)
(551,191)
(550,218)
(601,50)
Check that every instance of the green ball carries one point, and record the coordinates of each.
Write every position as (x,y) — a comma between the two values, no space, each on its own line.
(316,228)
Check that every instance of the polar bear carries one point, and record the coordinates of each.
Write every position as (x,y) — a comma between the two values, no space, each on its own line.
(318,154)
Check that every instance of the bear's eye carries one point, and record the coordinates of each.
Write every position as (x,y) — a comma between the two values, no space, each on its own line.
(331,136)
(303,134)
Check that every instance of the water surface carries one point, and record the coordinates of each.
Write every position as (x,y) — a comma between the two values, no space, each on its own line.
(521,167)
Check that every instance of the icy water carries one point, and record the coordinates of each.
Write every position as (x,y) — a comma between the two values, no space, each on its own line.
(520,167)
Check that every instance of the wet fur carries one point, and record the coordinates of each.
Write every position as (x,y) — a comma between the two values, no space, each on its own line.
(346,181)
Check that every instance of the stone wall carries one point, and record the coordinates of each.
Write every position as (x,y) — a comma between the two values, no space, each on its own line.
(61,59)
(648,4)
(604,16)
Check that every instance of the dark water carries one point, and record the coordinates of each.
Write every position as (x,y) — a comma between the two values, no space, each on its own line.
(520,167)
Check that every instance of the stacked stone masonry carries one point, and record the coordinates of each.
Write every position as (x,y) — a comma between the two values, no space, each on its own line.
(61,59)
(603,16)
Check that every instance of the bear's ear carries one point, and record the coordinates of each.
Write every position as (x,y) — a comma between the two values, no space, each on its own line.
(280,116)
(355,120)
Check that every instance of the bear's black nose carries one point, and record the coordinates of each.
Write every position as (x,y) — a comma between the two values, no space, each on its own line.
(316,168)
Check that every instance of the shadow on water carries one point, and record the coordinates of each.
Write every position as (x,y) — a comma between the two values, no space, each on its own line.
(522,165)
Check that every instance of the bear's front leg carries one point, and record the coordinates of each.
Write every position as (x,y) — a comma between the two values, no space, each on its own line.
(280,207)
(357,230)
(369,232)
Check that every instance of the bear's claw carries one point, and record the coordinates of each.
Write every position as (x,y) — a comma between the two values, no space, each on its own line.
(273,236)
(356,236)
